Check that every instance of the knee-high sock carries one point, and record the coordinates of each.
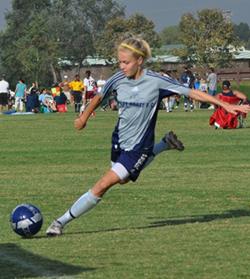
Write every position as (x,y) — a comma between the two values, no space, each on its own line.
(85,203)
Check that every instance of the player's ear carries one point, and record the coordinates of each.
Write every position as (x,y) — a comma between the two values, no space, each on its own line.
(140,60)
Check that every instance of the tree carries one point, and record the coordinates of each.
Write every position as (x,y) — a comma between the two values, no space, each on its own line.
(170,35)
(77,25)
(242,31)
(36,51)
(41,33)
(118,28)
(18,25)
(207,39)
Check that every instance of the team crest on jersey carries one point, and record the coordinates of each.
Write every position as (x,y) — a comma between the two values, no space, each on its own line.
(135,89)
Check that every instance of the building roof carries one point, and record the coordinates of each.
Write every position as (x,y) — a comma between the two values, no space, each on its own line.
(90,61)
(245,54)
(168,58)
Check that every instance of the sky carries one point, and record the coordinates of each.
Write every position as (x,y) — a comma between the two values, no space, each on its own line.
(168,12)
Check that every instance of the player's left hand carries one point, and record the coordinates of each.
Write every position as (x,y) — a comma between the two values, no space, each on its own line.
(235,108)
(79,124)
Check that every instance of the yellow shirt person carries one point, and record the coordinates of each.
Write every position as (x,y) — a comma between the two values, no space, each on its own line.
(76,84)
(77,88)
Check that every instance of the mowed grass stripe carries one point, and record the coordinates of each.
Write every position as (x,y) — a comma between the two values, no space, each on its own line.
(187,216)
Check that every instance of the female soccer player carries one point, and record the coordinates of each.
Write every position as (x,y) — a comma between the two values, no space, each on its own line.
(139,93)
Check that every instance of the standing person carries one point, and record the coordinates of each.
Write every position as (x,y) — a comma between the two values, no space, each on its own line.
(187,78)
(77,88)
(4,91)
(20,95)
(100,83)
(168,101)
(90,88)
(139,93)
(212,84)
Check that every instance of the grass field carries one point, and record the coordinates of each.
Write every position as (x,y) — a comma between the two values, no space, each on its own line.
(187,216)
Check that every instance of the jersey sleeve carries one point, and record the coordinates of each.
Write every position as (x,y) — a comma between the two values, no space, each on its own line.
(110,85)
(169,86)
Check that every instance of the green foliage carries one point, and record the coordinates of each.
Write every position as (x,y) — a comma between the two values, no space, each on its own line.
(207,39)
(242,31)
(16,41)
(170,35)
(35,50)
(40,33)
(118,28)
(79,24)
(187,216)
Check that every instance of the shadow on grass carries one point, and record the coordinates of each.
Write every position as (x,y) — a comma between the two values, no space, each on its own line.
(16,262)
(175,221)
(200,218)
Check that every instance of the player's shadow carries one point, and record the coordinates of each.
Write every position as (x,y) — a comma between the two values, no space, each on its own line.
(18,263)
(175,221)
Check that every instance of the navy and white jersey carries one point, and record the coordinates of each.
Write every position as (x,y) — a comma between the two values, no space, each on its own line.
(138,102)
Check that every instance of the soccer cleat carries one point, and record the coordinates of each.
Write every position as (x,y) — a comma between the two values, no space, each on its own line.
(55,229)
(172,140)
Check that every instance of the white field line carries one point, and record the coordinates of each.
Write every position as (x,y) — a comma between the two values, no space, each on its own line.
(34,268)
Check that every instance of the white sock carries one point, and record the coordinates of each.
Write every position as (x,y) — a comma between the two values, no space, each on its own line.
(86,202)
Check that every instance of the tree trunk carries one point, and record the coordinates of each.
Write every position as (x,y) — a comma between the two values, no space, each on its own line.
(53,71)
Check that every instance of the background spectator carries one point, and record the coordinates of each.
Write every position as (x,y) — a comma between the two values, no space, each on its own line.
(187,78)
(77,88)
(4,91)
(90,87)
(223,119)
(20,95)
(66,89)
(32,103)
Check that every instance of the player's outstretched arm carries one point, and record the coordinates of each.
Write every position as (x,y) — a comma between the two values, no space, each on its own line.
(203,97)
(81,121)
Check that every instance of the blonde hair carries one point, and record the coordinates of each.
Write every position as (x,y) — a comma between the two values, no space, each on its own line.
(139,47)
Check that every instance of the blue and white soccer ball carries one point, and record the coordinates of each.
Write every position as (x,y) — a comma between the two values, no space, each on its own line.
(26,220)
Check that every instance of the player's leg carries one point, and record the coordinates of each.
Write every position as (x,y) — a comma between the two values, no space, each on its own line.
(168,142)
(191,104)
(85,203)
(185,103)
(171,103)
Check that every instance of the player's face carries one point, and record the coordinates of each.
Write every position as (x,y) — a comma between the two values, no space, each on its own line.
(129,64)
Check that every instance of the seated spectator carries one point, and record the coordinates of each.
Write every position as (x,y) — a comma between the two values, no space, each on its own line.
(32,87)
(48,103)
(66,89)
(61,102)
(223,119)
(55,90)
(11,99)
(32,103)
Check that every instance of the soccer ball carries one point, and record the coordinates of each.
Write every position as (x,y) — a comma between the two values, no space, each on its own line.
(26,220)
